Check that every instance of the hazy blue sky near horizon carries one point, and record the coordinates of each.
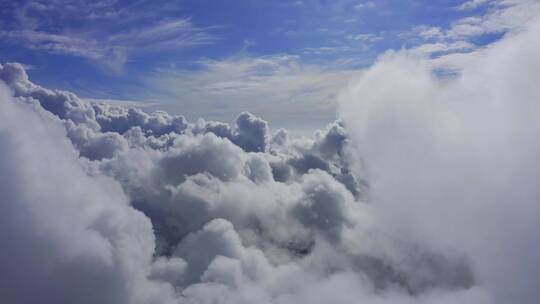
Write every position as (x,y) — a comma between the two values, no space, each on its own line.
(282,60)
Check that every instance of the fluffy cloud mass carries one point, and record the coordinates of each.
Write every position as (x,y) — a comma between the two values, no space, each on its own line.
(451,160)
(424,192)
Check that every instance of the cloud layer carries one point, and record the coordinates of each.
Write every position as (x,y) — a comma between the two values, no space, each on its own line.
(424,192)
(452,160)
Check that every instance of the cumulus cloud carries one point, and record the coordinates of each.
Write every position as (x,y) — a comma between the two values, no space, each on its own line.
(68,236)
(131,207)
(451,162)
(424,192)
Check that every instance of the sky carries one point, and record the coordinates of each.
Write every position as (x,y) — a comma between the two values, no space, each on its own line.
(283,60)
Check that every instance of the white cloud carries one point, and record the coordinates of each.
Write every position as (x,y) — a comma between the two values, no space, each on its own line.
(365,5)
(274,85)
(123,102)
(439,47)
(67,236)
(425,193)
(54,27)
(501,17)
(237,215)
(472,4)
(364,37)
(113,57)
(427,33)
(452,163)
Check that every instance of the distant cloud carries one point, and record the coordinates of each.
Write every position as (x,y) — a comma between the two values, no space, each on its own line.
(275,85)
(430,32)
(364,37)
(472,4)
(106,33)
(439,47)
(123,102)
(365,5)
(501,17)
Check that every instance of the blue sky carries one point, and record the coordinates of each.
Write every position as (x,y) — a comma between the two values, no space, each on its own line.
(283,60)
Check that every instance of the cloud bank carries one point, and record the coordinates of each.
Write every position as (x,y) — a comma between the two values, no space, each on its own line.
(424,192)
(452,162)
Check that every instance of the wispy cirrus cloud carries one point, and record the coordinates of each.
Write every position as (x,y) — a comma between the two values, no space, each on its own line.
(497,17)
(105,32)
(502,16)
(471,4)
(280,86)
(122,102)
(305,84)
